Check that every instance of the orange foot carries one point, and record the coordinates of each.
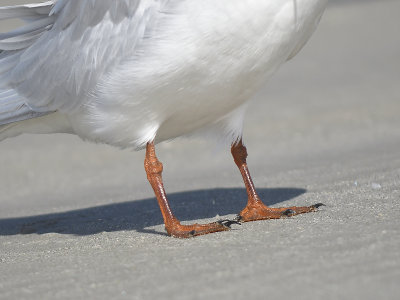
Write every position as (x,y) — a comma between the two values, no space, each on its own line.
(186,231)
(260,211)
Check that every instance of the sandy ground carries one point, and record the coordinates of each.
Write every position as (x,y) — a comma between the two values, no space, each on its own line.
(79,220)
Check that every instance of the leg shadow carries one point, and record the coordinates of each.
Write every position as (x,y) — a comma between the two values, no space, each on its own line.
(139,214)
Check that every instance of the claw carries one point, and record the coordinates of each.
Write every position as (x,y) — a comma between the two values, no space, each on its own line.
(289,212)
(228,223)
(239,219)
(315,206)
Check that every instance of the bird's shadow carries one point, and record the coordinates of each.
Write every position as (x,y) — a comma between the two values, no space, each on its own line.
(139,215)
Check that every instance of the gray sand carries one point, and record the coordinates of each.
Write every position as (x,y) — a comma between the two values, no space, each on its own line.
(79,220)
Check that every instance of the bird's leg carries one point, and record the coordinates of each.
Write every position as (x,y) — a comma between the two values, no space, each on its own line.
(174,228)
(255,208)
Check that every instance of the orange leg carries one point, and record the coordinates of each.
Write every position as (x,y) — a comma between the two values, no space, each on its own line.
(174,228)
(255,208)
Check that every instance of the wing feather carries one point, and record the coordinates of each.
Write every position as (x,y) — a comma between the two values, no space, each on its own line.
(35,26)
(56,59)
(13,108)
(26,10)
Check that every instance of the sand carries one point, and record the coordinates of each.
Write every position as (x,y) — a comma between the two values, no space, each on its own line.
(79,220)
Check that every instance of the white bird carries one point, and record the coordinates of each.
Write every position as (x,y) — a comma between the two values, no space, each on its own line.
(132,73)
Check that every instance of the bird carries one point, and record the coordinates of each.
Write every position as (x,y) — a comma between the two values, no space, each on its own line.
(134,73)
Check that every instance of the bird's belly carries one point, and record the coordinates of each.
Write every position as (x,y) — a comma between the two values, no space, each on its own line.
(207,67)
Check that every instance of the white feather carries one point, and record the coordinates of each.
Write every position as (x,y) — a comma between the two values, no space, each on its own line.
(130,71)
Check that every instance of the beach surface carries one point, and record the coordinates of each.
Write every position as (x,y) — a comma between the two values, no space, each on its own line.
(79,220)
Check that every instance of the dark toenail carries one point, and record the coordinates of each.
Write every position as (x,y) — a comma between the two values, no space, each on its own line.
(289,212)
(192,233)
(317,205)
(228,223)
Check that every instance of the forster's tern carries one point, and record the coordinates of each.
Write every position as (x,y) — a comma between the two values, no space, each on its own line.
(132,73)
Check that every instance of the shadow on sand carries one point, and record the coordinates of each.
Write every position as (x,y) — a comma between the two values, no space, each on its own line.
(140,214)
